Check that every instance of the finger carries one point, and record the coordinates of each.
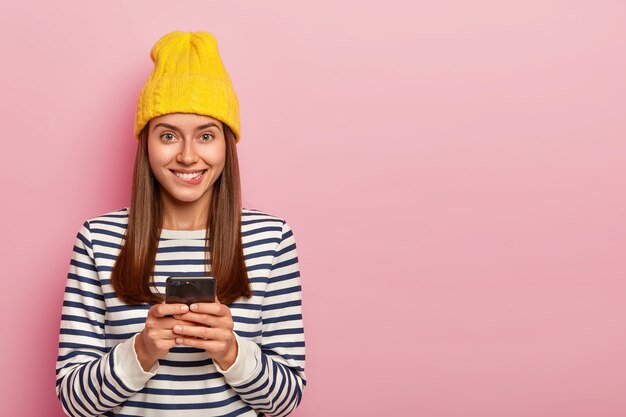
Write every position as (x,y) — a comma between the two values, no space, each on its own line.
(168,323)
(206,333)
(197,318)
(215,309)
(160,334)
(162,310)
(224,322)
(212,347)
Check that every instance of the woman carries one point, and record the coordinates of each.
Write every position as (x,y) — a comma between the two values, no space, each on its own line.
(122,350)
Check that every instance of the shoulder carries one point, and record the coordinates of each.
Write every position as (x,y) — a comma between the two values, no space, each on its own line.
(117,218)
(258,222)
(250,215)
(113,223)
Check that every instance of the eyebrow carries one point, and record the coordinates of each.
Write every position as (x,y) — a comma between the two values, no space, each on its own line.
(168,126)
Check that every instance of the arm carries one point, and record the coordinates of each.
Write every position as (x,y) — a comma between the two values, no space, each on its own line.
(91,378)
(270,377)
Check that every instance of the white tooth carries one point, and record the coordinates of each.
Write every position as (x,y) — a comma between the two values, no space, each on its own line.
(189,176)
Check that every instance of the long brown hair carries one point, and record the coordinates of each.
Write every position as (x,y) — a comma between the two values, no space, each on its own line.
(132,276)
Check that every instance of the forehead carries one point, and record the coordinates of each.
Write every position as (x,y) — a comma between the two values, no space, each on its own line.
(184,119)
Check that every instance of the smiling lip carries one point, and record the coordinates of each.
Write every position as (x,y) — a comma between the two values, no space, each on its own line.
(192,177)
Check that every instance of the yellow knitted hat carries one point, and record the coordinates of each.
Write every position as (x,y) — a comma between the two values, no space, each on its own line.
(188,77)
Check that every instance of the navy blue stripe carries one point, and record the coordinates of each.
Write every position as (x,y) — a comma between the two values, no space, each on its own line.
(123,214)
(106,232)
(283,331)
(117,378)
(248,222)
(83,238)
(76,398)
(283,291)
(83,279)
(107,244)
(181,262)
(185,364)
(258,267)
(83,265)
(120,336)
(84,293)
(242,387)
(286,249)
(175,249)
(186,349)
(108,256)
(68,345)
(124,307)
(240,411)
(198,391)
(285,356)
(99,371)
(85,307)
(249,335)
(82,251)
(79,319)
(76,332)
(283,264)
(125,322)
(93,388)
(75,353)
(261,230)
(247,320)
(182,406)
(186,378)
(260,242)
(286,304)
(259,254)
(261,388)
(66,407)
(270,346)
(110,223)
(281,319)
(81,378)
(114,390)
(285,277)
(242,306)
(294,391)
(279,408)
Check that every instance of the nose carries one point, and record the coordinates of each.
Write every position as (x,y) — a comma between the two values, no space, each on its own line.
(187,154)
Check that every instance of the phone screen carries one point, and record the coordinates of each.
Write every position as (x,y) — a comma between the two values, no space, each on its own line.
(189,290)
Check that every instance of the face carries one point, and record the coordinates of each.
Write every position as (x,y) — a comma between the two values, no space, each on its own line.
(187,154)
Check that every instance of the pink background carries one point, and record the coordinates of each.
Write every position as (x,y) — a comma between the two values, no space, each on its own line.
(453,172)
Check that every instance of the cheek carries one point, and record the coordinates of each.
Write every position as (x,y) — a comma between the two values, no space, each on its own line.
(157,156)
(217,159)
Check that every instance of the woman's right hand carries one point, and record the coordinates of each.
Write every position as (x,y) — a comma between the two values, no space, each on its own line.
(158,337)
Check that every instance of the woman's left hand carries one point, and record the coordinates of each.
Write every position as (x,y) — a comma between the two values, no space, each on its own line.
(214,334)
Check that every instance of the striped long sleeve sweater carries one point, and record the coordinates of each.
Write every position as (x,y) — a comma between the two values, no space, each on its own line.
(97,369)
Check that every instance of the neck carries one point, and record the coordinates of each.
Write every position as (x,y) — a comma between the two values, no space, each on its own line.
(185,216)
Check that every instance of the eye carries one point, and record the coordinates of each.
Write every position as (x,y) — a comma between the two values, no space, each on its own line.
(167,137)
(207,137)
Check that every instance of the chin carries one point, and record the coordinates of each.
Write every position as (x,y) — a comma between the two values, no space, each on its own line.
(183,198)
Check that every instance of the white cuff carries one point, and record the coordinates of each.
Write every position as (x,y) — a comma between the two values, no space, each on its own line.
(127,365)
(247,363)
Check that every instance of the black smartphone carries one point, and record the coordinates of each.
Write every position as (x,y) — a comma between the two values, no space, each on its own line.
(189,290)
